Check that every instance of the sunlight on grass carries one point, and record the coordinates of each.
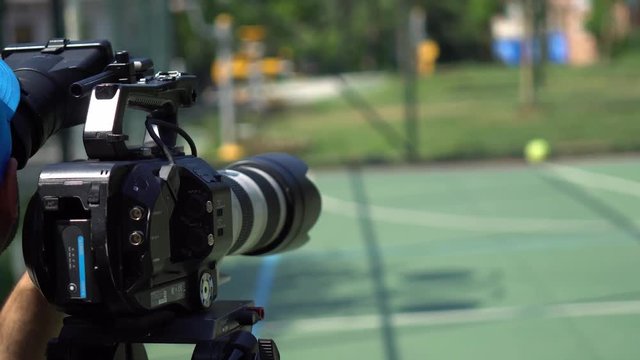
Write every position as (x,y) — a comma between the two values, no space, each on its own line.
(469,111)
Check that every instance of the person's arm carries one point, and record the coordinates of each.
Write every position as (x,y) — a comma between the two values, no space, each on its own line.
(27,323)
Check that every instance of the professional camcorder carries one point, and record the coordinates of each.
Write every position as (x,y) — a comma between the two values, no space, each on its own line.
(130,242)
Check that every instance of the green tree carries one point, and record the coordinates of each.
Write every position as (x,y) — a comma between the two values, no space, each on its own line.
(462,27)
(345,35)
(602,25)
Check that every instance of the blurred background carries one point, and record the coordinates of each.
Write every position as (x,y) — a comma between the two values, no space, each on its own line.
(478,161)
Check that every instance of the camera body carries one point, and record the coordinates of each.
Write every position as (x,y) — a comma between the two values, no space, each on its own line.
(138,229)
(115,238)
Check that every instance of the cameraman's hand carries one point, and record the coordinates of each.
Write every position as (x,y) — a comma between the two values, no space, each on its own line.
(27,322)
(9,205)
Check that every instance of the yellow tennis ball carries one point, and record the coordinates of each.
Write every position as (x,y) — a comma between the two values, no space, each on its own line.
(536,151)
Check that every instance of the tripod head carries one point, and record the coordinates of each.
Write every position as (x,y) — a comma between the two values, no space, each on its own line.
(223,333)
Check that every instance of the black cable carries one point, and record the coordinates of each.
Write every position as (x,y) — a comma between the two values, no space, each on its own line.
(176,128)
(148,124)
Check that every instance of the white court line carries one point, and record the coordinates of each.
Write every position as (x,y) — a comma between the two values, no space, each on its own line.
(496,224)
(573,175)
(455,317)
(440,220)
(594,180)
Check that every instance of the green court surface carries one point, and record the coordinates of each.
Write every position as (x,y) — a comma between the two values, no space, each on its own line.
(483,262)
(500,261)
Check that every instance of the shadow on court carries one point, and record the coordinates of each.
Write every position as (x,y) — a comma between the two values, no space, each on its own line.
(313,287)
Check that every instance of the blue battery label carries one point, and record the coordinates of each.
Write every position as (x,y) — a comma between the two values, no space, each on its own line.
(81,268)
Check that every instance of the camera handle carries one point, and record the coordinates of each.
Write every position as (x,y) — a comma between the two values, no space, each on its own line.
(160,96)
(222,333)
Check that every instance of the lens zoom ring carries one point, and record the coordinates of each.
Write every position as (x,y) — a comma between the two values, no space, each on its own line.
(273,217)
(247,212)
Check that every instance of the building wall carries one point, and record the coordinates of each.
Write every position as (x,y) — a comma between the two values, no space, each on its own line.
(565,17)
(570,17)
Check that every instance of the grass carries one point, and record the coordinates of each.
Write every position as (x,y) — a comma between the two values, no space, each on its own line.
(471,111)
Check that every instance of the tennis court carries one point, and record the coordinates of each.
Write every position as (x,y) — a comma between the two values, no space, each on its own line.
(496,261)
(482,262)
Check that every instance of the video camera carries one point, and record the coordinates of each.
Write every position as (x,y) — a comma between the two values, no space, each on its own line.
(129,243)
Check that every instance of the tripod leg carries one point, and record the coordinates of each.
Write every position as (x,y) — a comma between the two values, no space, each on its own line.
(241,345)
(58,349)
(66,350)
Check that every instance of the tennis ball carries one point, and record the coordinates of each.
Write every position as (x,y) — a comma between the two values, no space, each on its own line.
(536,151)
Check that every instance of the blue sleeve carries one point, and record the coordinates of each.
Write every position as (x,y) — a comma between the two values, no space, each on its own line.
(9,98)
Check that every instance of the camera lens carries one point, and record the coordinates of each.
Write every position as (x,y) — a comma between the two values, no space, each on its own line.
(274,204)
